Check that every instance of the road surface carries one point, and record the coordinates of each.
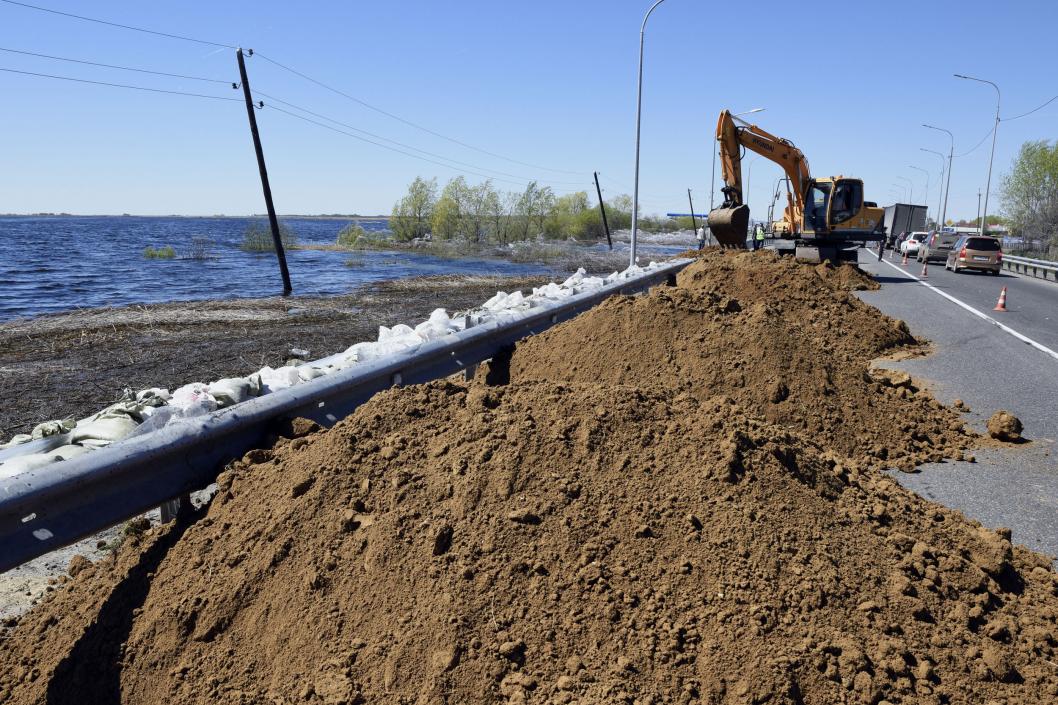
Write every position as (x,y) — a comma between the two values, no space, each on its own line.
(1014,367)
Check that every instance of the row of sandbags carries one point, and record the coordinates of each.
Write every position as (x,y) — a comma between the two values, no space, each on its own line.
(150,409)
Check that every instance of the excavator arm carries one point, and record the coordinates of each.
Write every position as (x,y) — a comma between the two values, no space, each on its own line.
(729,222)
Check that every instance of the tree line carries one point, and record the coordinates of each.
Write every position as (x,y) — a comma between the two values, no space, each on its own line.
(1030,193)
(482,213)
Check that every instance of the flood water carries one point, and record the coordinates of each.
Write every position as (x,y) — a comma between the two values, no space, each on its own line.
(50,264)
(58,263)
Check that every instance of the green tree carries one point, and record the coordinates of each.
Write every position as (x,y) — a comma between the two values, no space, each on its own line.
(445,223)
(619,212)
(533,207)
(1030,191)
(412,214)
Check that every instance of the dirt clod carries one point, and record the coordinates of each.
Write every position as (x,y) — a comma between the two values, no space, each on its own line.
(718,548)
(1004,426)
(77,565)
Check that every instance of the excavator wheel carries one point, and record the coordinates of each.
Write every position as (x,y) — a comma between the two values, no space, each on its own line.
(729,225)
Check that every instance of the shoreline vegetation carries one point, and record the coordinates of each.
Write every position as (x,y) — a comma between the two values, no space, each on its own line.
(480,221)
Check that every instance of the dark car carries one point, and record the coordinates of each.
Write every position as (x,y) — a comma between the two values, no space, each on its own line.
(976,252)
(937,246)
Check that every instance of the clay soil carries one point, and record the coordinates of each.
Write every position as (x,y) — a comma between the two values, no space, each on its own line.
(73,364)
(688,507)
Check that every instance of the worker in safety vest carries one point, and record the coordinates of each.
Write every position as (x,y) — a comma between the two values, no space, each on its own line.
(759,241)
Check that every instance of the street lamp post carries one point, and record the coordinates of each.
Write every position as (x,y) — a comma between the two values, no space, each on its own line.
(712,173)
(947,187)
(995,133)
(926,197)
(940,190)
(911,189)
(639,113)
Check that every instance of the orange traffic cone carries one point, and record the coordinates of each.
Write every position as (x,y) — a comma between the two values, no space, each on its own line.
(923,274)
(1001,305)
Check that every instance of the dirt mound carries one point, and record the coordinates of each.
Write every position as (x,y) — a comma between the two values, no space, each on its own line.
(558,542)
(785,339)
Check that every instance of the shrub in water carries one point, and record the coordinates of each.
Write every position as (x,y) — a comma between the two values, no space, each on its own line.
(166,252)
(201,249)
(258,237)
(350,235)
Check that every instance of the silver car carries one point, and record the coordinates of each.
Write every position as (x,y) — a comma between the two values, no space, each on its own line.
(937,246)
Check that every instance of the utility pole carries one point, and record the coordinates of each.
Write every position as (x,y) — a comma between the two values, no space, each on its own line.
(694,223)
(980,226)
(602,209)
(280,254)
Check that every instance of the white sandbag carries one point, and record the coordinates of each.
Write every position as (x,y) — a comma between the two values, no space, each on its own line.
(105,429)
(51,428)
(273,380)
(24,463)
(235,390)
(194,394)
(308,372)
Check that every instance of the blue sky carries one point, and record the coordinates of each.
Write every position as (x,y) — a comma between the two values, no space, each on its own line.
(549,83)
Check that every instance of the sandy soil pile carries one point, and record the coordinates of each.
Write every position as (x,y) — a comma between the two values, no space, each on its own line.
(531,541)
(786,340)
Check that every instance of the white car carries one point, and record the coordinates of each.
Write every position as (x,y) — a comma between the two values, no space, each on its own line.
(910,246)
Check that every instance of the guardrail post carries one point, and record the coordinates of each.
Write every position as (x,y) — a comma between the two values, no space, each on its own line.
(178,508)
(470,370)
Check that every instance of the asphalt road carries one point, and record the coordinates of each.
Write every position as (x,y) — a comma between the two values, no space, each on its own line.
(989,369)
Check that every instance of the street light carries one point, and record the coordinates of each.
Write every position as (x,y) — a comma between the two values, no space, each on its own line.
(947,187)
(712,173)
(902,190)
(940,191)
(926,197)
(639,112)
(995,132)
(911,189)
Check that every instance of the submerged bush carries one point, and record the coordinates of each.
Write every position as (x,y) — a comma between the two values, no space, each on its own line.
(258,237)
(201,249)
(166,252)
(350,235)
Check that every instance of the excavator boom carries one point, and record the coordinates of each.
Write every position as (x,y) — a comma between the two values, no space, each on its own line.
(822,215)
(729,222)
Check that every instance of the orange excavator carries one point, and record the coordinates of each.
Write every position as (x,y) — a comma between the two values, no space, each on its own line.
(823,218)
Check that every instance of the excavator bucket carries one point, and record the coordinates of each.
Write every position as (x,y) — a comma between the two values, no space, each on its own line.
(729,225)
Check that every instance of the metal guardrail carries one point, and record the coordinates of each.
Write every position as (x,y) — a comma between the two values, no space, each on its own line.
(51,507)
(1039,268)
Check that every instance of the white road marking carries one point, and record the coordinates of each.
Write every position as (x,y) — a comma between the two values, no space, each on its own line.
(1007,329)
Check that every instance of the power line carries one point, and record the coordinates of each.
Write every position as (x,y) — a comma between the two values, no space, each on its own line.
(978,144)
(1018,117)
(385,146)
(401,144)
(408,122)
(118,85)
(291,70)
(121,26)
(114,66)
